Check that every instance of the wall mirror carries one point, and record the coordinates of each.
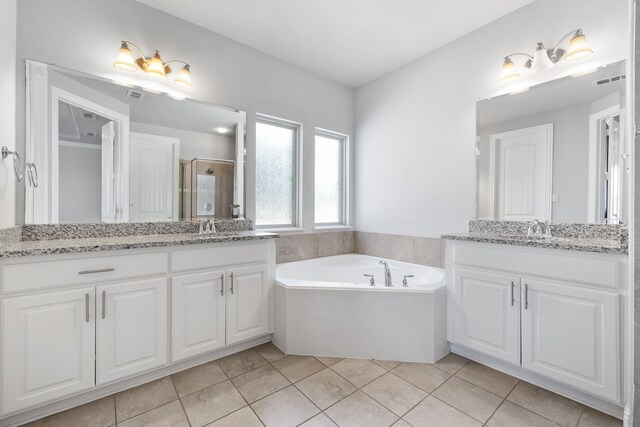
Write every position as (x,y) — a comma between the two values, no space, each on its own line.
(556,152)
(101,151)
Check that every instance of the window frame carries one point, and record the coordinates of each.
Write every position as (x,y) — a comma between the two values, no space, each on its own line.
(345,208)
(297,171)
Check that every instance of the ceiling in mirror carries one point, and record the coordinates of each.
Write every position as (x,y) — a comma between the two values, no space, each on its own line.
(107,152)
(556,152)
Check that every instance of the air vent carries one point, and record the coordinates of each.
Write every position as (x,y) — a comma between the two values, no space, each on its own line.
(88,115)
(135,95)
(609,80)
(90,133)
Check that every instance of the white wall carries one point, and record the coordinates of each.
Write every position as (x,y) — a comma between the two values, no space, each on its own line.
(85,35)
(7,109)
(415,157)
(193,144)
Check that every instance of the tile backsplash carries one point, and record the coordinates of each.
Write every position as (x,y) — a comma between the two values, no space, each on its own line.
(418,250)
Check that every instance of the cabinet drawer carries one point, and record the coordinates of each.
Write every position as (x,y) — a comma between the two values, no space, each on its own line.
(37,275)
(219,256)
(593,269)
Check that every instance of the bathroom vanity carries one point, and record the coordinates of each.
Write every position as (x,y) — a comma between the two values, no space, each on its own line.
(94,316)
(550,311)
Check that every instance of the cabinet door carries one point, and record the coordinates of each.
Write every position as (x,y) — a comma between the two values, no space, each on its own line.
(247,303)
(487,313)
(198,313)
(571,334)
(131,328)
(48,348)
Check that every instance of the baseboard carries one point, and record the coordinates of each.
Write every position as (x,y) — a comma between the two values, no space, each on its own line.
(109,389)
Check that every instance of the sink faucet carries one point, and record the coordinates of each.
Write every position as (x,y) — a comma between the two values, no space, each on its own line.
(387,273)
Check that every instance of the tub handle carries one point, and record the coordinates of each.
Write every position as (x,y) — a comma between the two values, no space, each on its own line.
(372,280)
(404,280)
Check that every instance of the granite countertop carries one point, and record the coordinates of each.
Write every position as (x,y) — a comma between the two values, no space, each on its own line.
(584,244)
(97,244)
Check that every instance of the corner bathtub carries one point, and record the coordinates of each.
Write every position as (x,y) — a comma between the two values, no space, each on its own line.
(326,307)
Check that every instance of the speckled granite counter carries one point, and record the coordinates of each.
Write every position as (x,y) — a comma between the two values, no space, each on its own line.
(52,239)
(602,238)
(97,244)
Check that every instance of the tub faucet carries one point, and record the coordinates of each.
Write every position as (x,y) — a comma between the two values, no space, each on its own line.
(387,273)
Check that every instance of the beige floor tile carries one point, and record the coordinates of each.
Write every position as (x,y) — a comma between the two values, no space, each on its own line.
(212,403)
(451,363)
(143,398)
(270,352)
(325,388)
(592,418)
(259,383)
(359,410)
(296,368)
(240,363)
(244,417)
(99,413)
(320,420)
(401,423)
(394,393)
(548,404)
(329,360)
(510,415)
(487,378)
(169,415)
(359,372)
(468,398)
(197,378)
(432,412)
(287,407)
(422,375)
(386,364)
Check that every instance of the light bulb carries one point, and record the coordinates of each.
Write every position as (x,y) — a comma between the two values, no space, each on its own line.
(578,47)
(184,78)
(155,66)
(125,59)
(509,72)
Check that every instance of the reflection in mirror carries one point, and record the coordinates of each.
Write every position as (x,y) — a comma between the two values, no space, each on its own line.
(113,153)
(556,152)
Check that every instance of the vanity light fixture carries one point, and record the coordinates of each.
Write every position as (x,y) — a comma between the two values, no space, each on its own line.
(153,66)
(544,59)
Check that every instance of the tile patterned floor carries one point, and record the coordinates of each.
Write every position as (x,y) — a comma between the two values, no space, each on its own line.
(265,387)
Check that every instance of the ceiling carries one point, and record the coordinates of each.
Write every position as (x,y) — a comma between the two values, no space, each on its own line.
(348,41)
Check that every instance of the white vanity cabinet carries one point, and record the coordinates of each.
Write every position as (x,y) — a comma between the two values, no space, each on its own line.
(550,316)
(48,346)
(94,323)
(131,328)
(198,313)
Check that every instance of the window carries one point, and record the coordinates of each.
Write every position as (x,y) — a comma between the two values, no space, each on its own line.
(277,147)
(331,178)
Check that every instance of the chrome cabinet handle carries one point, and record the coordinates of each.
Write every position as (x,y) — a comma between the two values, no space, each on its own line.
(526,296)
(513,300)
(222,285)
(231,279)
(104,304)
(102,270)
(86,308)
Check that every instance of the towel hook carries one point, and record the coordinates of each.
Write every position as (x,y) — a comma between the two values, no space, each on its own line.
(17,163)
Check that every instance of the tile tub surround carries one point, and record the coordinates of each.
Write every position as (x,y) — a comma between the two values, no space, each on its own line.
(264,386)
(602,238)
(418,250)
(301,246)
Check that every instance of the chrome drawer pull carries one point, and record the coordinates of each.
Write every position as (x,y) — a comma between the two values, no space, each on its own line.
(104,304)
(513,300)
(222,285)
(102,270)
(526,296)
(86,308)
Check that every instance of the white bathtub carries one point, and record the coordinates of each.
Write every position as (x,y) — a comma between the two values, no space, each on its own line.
(326,307)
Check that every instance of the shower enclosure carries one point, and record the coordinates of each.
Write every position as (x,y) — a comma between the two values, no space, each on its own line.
(206,189)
